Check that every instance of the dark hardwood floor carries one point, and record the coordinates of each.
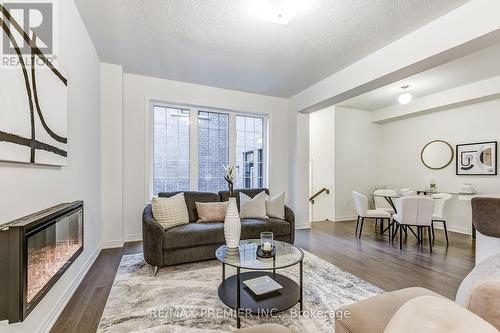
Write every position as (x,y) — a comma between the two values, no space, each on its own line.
(372,259)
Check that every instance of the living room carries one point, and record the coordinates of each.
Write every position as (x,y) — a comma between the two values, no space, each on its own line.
(155,155)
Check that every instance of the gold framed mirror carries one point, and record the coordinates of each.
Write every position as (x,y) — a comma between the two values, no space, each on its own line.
(437,154)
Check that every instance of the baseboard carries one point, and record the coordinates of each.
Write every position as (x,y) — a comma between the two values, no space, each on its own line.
(133,238)
(345,218)
(303,226)
(112,244)
(452,228)
(50,320)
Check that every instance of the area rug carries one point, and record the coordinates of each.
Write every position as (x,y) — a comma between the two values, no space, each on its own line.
(184,299)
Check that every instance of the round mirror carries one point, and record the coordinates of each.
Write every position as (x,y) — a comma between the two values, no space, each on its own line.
(437,154)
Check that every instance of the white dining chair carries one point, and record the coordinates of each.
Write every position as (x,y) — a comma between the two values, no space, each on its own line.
(361,205)
(441,212)
(381,202)
(414,211)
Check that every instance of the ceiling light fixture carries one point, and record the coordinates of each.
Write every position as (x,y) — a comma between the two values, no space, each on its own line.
(275,11)
(405,97)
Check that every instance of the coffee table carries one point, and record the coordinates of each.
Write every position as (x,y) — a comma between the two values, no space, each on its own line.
(239,297)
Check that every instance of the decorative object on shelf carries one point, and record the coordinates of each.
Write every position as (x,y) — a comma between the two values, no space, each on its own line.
(229,177)
(34,106)
(477,159)
(232,225)
(437,154)
(267,241)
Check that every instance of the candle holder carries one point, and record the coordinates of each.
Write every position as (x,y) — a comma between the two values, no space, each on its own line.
(266,249)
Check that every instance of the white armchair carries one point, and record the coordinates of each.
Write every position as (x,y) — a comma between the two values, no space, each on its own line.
(416,211)
(361,204)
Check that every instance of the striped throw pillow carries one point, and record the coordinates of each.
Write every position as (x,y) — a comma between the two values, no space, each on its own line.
(170,212)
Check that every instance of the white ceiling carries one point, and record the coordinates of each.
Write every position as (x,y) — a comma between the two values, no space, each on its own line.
(221,43)
(471,68)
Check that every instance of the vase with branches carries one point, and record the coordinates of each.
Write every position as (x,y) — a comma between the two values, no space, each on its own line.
(229,177)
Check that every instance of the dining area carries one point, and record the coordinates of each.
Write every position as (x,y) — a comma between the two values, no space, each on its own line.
(403,212)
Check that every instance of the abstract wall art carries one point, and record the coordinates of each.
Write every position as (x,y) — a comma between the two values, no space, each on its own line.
(33,99)
(477,159)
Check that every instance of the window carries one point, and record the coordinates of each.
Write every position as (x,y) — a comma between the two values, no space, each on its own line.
(213,150)
(170,149)
(249,152)
(190,147)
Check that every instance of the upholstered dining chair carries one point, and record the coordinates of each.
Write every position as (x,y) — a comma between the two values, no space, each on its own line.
(361,204)
(441,212)
(414,211)
(382,203)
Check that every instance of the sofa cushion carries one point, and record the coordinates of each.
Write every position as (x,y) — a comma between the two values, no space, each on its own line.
(485,302)
(373,314)
(432,314)
(197,234)
(191,197)
(170,212)
(251,192)
(253,207)
(251,228)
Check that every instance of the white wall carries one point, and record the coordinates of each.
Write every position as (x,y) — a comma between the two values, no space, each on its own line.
(356,143)
(112,155)
(137,92)
(27,189)
(402,141)
(322,162)
(299,167)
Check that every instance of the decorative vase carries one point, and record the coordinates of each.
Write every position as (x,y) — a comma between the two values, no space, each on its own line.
(232,225)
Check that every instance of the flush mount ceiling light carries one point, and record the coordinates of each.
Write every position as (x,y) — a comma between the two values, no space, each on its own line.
(405,97)
(275,11)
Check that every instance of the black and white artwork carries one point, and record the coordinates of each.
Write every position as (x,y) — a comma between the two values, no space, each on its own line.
(477,158)
(33,99)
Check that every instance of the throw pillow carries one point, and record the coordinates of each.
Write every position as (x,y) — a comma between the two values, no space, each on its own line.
(275,206)
(211,211)
(253,208)
(170,212)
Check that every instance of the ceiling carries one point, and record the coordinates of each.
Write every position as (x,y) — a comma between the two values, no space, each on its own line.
(222,43)
(474,67)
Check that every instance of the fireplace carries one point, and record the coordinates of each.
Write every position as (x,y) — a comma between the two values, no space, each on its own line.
(35,251)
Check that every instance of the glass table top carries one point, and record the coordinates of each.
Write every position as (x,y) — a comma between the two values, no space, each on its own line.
(246,255)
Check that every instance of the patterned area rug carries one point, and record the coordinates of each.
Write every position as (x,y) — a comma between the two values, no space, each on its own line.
(184,298)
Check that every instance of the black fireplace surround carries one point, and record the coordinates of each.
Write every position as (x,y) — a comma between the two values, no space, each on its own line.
(35,251)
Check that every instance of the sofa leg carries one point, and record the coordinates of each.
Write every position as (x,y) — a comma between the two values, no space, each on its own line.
(155,270)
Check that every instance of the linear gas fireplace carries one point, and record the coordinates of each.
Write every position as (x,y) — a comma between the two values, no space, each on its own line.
(35,251)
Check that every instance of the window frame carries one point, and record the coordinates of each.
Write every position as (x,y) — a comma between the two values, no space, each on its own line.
(193,140)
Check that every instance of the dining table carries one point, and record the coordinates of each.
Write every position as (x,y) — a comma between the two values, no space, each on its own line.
(391,200)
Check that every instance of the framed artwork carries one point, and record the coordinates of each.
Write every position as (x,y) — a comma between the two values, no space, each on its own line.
(477,159)
(33,98)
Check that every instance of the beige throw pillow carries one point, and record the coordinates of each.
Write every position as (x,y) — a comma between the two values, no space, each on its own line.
(211,211)
(170,212)
(253,208)
(275,206)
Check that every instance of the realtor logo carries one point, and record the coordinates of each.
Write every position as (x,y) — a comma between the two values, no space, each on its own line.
(27,22)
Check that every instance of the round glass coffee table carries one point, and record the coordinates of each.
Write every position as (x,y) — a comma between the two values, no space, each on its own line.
(236,295)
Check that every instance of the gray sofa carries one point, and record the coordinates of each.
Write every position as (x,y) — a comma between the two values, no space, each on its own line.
(198,241)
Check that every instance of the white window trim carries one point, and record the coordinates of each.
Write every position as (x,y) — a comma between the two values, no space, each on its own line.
(150,103)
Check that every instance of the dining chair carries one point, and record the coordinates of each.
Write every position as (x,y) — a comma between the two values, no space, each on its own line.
(414,211)
(361,205)
(441,212)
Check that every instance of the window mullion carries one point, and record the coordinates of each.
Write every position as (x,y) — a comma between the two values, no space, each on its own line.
(232,139)
(193,149)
